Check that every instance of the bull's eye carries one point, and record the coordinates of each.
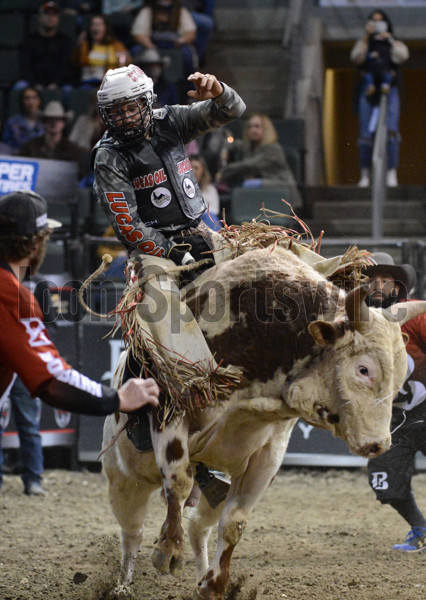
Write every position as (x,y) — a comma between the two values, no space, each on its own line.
(366,370)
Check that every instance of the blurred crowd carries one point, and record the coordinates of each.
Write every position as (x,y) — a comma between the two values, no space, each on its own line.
(68,46)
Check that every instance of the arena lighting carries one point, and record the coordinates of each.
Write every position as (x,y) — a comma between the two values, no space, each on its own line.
(230,139)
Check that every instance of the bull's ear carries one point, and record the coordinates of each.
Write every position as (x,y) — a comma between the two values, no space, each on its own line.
(325,334)
(405,337)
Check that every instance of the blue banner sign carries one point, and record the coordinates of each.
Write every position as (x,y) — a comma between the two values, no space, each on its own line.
(17,175)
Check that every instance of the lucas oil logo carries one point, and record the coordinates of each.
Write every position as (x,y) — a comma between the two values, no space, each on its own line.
(148,181)
(161,197)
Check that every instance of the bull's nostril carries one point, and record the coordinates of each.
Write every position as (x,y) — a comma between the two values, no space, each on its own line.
(370,450)
(375,449)
(333,418)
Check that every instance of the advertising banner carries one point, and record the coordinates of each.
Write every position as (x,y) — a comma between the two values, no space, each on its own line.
(17,175)
(55,180)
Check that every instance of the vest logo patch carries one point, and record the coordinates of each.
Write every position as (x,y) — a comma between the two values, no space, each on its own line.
(161,197)
(184,166)
(188,187)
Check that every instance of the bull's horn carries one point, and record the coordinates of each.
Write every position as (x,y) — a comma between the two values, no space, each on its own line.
(356,308)
(404,311)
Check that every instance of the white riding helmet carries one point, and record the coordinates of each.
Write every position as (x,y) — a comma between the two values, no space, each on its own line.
(125,101)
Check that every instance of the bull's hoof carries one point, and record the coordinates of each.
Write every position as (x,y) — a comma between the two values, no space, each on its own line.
(176,566)
(120,592)
(207,594)
(167,563)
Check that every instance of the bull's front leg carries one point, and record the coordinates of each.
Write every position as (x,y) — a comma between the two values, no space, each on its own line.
(242,497)
(171,453)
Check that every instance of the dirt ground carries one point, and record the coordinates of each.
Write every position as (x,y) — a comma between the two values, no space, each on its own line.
(316,535)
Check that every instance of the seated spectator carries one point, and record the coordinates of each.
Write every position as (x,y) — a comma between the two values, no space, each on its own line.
(262,162)
(46,54)
(165,24)
(26,124)
(97,51)
(53,144)
(89,127)
(202,11)
(208,191)
(153,64)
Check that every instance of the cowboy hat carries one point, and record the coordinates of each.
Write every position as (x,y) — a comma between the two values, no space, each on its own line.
(404,275)
(55,110)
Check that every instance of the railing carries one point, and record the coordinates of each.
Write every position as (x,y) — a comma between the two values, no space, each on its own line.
(379,166)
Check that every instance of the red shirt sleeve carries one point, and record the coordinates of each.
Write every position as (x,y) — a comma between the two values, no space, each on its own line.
(416,347)
(26,349)
(25,345)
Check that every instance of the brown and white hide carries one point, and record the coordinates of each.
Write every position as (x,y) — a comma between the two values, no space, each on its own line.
(306,351)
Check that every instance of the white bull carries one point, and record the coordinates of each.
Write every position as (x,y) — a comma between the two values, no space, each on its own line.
(306,351)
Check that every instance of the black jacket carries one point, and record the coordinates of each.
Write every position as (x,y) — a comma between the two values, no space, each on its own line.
(148,190)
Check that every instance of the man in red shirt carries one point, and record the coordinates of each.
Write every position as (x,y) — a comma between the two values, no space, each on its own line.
(390,474)
(25,346)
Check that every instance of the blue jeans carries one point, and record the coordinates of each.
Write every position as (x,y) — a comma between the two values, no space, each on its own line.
(25,413)
(366,136)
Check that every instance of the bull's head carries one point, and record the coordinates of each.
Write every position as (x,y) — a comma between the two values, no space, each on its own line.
(358,366)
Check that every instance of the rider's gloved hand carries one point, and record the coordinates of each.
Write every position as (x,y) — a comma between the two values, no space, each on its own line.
(180,254)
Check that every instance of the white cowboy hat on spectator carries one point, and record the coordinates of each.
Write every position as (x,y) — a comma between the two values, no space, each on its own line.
(55,110)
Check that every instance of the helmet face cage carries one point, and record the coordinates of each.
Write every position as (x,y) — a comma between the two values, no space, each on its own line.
(129,121)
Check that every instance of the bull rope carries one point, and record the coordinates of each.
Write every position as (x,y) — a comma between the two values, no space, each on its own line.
(107,260)
(112,440)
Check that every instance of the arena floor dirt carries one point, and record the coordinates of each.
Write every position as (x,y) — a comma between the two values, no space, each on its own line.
(316,535)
